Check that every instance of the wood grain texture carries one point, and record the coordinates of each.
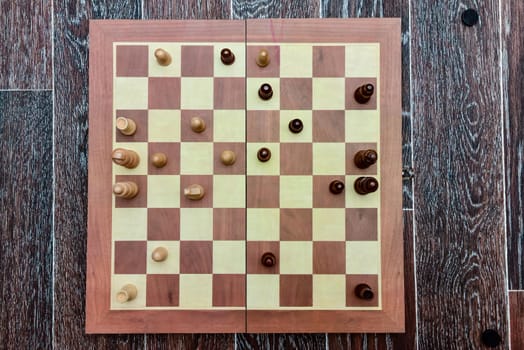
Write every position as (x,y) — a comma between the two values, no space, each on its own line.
(187,9)
(516,305)
(513,85)
(243,9)
(26,60)
(71,92)
(26,196)
(457,148)
(280,341)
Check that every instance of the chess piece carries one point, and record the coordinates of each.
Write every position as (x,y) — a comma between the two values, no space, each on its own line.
(269,259)
(194,192)
(159,160)
(228,157)
(125,157)
(363,291)
(162,57)
(126,293)
(336,187)
(295,126)
(365,185)
(227,57)
(126,126)
(264,154)
(363,93)
(197,124)
(159,254)
(126,189)
(262,59)
(365,158)
(265,92)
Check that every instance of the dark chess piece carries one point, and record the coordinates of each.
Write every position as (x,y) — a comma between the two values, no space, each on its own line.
(365,185)
(363,93)
(227,57)
(336,187)
(296,126)
(365,158)
(264,154)
(268,259)
(363,291)
(265,92)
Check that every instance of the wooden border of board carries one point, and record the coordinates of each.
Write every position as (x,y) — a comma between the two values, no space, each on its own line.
(390,318)
(99,317)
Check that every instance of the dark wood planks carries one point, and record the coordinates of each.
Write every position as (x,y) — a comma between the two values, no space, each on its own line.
(243,9)
(516,305)
(457,144)
(513,85)
(26,199)
(71,128)
(26,51)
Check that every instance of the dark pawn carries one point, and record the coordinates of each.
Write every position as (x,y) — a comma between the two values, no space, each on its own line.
(227,57)
(336,187)
(265,92)
(296,126)
(365,158)
(365,185)
(264,154)
(363,93)
(269,259)
(363,291)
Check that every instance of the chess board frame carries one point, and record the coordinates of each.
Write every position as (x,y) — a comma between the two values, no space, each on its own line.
(99,316)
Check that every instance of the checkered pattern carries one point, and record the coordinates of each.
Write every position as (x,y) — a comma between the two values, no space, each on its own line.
(325,244)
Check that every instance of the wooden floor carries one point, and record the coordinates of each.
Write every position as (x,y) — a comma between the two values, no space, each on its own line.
(463,145)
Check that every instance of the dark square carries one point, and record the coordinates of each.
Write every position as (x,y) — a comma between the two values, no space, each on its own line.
(329,61)
(205,181)
(162,290)
(322,196)
(239,167)
(197,61)
(263,191)
(271,70)
(172,151)
(255,250)
(296,225)
(163,224)
(130,257)
(164,93)
(139,116)
(361,224)
(132,61)
(296,290)
(351,150)
(329,126)
(351,85)
(295,93)
(196,257)
(229,93)
(229,223)
(229,290)
(352,281)
(329,257)
(263,126)
(187,134)
(296,158)
(140,200)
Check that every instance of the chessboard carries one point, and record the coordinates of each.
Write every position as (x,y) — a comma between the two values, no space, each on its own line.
(245,176)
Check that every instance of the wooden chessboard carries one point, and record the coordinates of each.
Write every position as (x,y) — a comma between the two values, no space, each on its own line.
(325,245)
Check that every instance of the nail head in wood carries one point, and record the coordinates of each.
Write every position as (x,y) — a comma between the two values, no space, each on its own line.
(470,17)
(491,338)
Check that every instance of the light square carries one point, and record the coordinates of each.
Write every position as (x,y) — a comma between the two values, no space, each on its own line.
(296,257)
(163,191)
(141,149)
(256,167)
(237,69)
(296,60)
(362,126)
(171,264)
(263,224)
(229,191)
(329,291)
(229,257)
(173,69)
(119,281)
(196,93)
(263,291)
(196,291)
(254,102)
(164,125)
(296,191)
(329,93)
(362,258)
(362,60)
(355,200)
(129,224)
(329,158)
(196,158)
(306,135)
(329,224)
(196,224)
(130,93)
(229,125)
